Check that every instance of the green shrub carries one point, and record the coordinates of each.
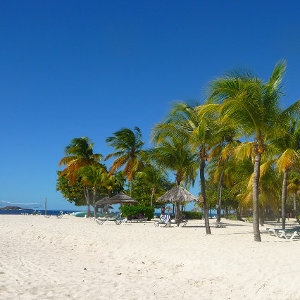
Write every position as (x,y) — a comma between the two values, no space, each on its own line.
(135,211)
(193,215)
(232,217)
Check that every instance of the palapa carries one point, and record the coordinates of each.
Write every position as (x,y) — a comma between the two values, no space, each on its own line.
(120,198)
(177,195)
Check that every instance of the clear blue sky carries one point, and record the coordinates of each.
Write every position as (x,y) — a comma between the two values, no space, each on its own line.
(87,68)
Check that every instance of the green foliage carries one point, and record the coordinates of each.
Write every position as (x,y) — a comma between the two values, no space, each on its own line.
(128,151)
(232,217)
(151,183)
(192,215)
(175,154)
(72,193)
(146,211)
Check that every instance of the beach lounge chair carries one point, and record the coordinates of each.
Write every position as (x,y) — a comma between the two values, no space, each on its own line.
(288,233)
(219,225)
(181,221)
(118,220)
(164,220)
(60,215)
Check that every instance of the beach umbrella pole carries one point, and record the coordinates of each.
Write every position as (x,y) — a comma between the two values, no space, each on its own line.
(45,206)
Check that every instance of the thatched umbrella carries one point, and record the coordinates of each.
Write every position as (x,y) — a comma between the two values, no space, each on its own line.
(120,198)
(196,209)
(177,195)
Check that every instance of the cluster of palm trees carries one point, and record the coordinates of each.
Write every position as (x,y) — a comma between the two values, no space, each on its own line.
(240,138)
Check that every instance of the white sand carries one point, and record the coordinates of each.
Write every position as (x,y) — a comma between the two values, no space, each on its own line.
(74,258)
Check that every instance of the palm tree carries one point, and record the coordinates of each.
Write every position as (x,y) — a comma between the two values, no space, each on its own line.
(176,155)
(269,184)
(128,146)
(254,106)
(294,189)
(287,141)
(220,155)
(96,177)
(155,177)
(197,125)
(79,153)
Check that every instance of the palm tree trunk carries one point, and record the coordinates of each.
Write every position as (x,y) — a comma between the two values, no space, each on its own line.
(87,199)
(202,182)
(295,206)
(256,175)
(177,216)
(261,216)
(283,197)
(131,187)
(220,197)
(94,202)
(152,196)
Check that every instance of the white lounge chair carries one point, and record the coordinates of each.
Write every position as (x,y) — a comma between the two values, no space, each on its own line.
(164,220)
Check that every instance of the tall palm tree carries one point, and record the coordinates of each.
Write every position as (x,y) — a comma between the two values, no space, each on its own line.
(197,125)
(254,106)
(287,141)
(95,177)
(154,176)
(294,189)
(175,155)
(128,146)
(79,153)
(220,155)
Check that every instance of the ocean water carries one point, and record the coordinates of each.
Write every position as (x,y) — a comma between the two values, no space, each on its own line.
(32,211)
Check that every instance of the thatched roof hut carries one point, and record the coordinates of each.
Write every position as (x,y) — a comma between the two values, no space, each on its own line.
(177,194)
(120,198)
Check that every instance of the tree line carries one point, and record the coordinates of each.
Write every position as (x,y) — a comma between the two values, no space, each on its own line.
(242,142)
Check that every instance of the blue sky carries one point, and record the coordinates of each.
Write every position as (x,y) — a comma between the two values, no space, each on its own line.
(87,68)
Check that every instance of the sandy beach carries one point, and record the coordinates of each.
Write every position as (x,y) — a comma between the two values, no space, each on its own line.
(75,258)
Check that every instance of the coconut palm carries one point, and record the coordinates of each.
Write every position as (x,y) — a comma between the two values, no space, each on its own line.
(175,154)
(294,189)
(197,125)
(254,106)
(128,152)
(287,142)
(269,186)
(79,153)
(95,177)
(220,155)
(155,177)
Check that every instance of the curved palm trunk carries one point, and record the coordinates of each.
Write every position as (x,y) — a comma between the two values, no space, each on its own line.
(202,182)
(295,206)
(283,197)
(152,195)
(131,187)
(256,175)
(94,201)
(220,197)
(87,199)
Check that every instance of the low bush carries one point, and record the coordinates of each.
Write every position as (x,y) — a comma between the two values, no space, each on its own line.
(232,217)
(136,211)
(193,215)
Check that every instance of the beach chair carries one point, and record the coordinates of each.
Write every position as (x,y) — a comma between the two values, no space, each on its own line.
(60,215)
(219,225)
(118,220)
(164,220)
(182,221)
(289,233)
